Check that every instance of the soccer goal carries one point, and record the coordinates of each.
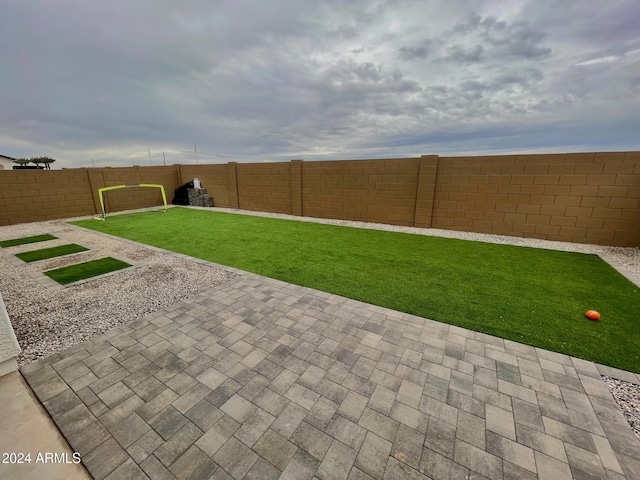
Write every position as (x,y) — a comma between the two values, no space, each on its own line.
(104,190)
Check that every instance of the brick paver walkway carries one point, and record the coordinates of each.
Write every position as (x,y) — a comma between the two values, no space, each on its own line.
(259,379)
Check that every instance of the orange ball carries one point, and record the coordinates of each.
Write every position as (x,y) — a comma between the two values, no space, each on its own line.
(592,315)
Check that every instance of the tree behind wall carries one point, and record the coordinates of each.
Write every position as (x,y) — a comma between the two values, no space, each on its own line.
(46,160)
(23,162)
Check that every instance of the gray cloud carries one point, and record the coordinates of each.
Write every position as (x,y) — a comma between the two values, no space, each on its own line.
(607,26)
(499,38)
(419,51)
(459,54)
(290,79)
(517,39)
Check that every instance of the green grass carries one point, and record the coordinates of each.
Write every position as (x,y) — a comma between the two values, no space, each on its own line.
(82,271)
(52,252)
(23,241)
(529,295)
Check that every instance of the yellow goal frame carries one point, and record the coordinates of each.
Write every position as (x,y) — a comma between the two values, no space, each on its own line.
(128,185)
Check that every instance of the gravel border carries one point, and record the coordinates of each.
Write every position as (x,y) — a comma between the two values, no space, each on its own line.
(627,396)
(47,322)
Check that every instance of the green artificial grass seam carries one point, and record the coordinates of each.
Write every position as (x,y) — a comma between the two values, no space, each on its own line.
(25,240)
(85,270)
(529,295)
(47,253)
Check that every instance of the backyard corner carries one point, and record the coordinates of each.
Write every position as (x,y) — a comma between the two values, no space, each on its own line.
(257,377)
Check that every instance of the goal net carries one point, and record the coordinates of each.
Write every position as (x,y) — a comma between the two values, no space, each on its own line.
(130,197)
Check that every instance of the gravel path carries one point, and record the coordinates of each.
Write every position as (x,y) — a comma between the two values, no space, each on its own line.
(47,321)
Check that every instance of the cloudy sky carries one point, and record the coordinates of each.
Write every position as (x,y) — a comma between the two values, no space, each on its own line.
(281,79)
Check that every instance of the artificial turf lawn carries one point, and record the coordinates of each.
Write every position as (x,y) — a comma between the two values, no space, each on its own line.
(23,241)
(529,295)
(81,271)
(52,252)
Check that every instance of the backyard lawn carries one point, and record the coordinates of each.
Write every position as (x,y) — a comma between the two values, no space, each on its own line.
(529,295)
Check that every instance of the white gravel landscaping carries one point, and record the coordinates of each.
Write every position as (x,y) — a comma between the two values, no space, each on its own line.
(46,322)
(627,395)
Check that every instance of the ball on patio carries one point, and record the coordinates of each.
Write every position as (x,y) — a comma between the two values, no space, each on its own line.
(592,315)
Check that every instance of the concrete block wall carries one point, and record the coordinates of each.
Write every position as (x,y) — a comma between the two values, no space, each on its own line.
(427,178)
(578,197)
(264,187)
(584,197)
(296,187)
(215,178)
(127,198)
(38,195)
(381,191)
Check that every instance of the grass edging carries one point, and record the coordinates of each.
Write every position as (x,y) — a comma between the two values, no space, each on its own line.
(14,242)
(78,272)
(53,252)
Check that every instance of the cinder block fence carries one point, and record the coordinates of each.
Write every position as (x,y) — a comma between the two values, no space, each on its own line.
(577,197)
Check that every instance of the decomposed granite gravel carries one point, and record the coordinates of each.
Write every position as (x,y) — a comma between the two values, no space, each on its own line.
(46,321)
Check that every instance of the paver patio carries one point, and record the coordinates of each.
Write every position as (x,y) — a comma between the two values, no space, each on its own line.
(260,379)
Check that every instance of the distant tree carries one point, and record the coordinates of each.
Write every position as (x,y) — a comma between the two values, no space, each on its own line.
(46,160)
(23,162)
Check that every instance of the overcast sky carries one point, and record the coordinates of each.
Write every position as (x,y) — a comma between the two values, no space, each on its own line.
(277,80)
